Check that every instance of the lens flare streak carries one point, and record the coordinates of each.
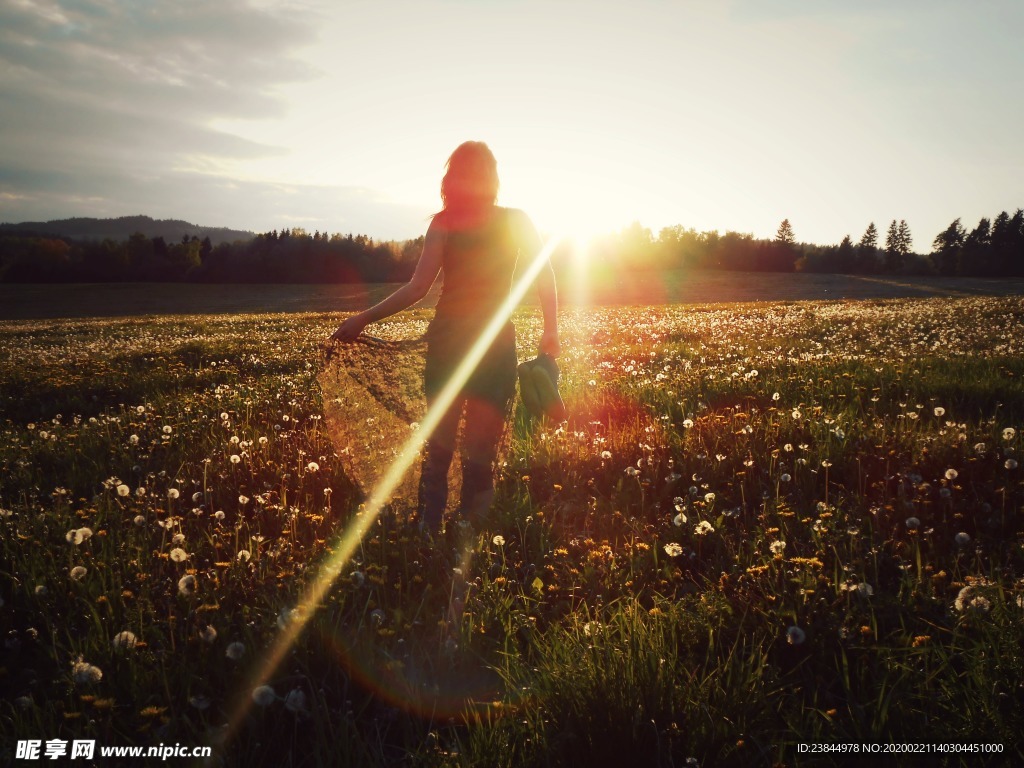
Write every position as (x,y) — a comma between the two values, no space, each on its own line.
(345,545)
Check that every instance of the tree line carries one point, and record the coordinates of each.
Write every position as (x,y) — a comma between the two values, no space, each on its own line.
(288,256)
(993,248)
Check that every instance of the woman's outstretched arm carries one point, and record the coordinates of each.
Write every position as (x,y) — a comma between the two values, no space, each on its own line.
(426,272)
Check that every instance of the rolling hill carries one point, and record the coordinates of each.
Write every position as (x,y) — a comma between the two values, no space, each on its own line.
(122,228)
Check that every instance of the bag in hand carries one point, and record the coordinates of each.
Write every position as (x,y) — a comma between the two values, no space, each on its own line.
(538,386)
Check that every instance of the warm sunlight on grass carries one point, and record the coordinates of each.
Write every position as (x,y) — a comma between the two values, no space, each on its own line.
(758,522)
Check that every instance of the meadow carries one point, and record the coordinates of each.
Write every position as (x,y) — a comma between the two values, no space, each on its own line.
(603,286)
(762,525)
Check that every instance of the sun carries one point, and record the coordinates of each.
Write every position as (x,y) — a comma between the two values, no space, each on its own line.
(575,204)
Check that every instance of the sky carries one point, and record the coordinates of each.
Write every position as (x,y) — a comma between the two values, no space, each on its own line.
(339,116)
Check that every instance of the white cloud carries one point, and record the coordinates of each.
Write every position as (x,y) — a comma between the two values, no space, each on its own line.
(108,102)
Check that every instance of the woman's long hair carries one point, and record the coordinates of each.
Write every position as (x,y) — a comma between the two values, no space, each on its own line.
(470,183)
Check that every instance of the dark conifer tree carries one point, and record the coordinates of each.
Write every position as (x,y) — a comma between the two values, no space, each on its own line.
(867,250)
(946,249)
(976,254)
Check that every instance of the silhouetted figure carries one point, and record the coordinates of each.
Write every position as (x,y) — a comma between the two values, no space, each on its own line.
(477,243)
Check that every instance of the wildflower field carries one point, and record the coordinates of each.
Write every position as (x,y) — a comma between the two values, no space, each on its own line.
(762,525)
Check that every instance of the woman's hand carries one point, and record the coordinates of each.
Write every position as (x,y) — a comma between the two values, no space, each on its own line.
(350,329)
(549,344)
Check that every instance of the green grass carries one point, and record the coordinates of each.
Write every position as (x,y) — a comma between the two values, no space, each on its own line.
(745,537)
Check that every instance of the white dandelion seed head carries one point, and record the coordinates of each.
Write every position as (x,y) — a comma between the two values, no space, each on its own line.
(863,589)
(970,600)
(263,695)
(124,641)
(235,458)
(777,547)
(498,541)
(218,515)
(913,523)
(78,573)
(295,701)
(208,634)
(951,474)
(962,539)
(709,498)
(85,673)
(287,616)
(173,493)
(679,520)
(1010,464)
(187,585)
(940,411)
(312,467)
(1009,433)
(243,556)
(139,520)
(78,535)
(795,635)
(672,549)
(123,490)
(785,477)
(703,528)
(178,555)
(235,651)
(606,455)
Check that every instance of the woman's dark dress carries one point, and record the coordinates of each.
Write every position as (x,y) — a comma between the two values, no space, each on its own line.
(478,266)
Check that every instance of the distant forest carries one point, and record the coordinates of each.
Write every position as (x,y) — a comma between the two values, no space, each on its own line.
(991,249)
(288,256)
(122,227)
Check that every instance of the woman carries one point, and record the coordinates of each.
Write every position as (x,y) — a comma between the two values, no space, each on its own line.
(477,243)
